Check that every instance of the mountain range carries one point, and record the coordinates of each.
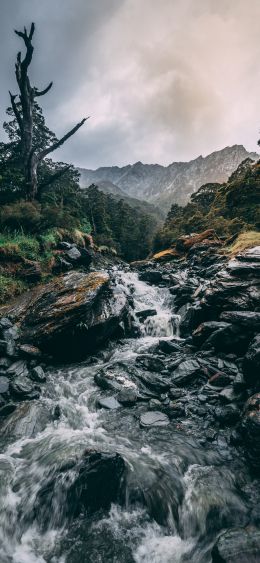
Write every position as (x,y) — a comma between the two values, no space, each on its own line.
(163,185)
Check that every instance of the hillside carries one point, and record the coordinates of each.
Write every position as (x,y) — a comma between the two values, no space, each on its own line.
(164,185)
(229,208)
(111,189)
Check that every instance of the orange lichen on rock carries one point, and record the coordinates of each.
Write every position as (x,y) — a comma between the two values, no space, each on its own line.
(168,254)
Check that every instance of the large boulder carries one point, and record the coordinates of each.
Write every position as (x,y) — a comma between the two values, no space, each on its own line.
(251,363)
(249,320)
(238,545)
(205,330)
(250,430)
(86,485)
(73,314)
(186,242)
(186,373)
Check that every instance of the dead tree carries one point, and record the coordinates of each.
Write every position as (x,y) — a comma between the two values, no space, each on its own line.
(31,156)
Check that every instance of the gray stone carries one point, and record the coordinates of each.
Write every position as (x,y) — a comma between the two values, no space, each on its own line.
(73,254)
(237,545)
(127,397)
(4,385)
(109,403)
(37,374)
(153,418)
(21,389)
(18,369)
(186,372)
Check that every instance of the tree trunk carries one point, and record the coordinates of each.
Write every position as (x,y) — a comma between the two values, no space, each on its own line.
(31,156)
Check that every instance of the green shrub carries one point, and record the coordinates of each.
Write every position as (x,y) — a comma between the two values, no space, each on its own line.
(9,288)
(21,216)
(24,246)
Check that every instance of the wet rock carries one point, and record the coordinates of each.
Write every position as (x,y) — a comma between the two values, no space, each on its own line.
(143,315)
(3,347)
(98,482)
(232,338)
(228,395)
(186,372)
(64,245)
(249,255)
(56,412)
(226,415)
(186,242)
(22,390)
(37,374)
(176,393)
(250,430)
(204,330)
(115,379)
(220,379)
(28,419)
(150,362)
(74,314)
(5,323)
(169,346)
(127,397)
(175,409)
(193,317)
(18,369)
(239,383)
(243,268)
(86,257)
(4,363)
(238,545)
(156,383)
(4,385)
(73,254)
(29,352)
(7,409)
(251,363)
(153,418)
(88,485)
(246,319)
(151,276)
(109,403)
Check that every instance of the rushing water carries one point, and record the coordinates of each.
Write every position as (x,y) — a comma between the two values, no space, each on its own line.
(189,493)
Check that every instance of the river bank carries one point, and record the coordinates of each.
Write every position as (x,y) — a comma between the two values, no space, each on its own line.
(162,417)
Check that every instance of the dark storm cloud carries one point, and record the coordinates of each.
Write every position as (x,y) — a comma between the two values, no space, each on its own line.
(162,81)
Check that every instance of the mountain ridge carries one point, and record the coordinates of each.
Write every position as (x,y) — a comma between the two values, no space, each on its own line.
(163,185)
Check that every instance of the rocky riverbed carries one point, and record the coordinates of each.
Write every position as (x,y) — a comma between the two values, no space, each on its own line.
(130,421)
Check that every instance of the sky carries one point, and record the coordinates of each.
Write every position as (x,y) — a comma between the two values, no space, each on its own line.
(162,80)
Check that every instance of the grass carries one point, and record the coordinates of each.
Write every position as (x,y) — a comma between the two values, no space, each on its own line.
(245,240)
(9,288)
(20,245)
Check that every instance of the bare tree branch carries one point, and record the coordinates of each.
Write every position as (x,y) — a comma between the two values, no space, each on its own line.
(56,145)
(42,92)
(29,48)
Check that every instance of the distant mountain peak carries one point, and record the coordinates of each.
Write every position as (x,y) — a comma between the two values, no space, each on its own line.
(164,185)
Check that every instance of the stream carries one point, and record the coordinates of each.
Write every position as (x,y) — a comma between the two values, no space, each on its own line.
(191,491)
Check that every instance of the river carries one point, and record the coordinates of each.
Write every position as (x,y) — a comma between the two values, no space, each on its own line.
(189,489)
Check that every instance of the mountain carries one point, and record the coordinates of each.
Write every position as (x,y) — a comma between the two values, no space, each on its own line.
(164,185)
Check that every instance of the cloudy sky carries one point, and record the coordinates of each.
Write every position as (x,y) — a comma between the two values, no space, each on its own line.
(162,80)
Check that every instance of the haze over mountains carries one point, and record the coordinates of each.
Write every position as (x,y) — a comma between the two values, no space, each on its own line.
(164,185)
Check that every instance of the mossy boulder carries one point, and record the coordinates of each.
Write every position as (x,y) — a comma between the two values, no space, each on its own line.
(73,314)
